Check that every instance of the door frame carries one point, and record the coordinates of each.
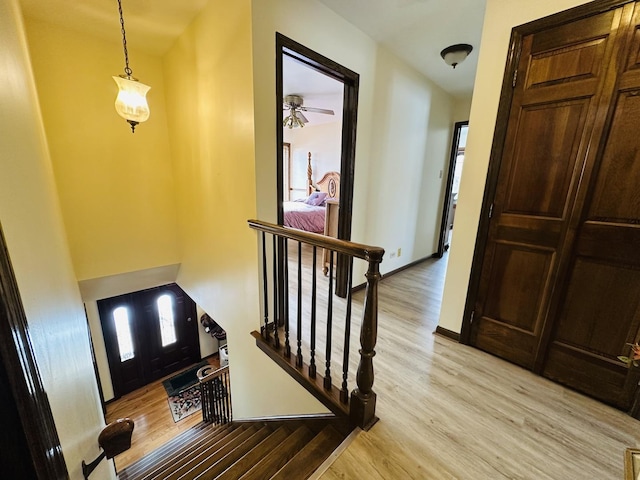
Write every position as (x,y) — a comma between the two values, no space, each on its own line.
(499,137)
(18,358)
(446,204)
(351,81)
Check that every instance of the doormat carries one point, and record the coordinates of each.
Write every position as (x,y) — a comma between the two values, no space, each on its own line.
(185,403)
(183,380)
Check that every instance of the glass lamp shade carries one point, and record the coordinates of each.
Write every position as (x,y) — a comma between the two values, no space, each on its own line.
(456,54)
(131,102)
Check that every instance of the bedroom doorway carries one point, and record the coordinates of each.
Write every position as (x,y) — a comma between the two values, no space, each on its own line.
(454,174)
(298,108)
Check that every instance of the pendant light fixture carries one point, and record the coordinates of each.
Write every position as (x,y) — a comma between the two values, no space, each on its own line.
(131,102)
(456,54)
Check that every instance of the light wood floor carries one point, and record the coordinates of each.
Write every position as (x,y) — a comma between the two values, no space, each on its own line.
(153,423)
(448,411)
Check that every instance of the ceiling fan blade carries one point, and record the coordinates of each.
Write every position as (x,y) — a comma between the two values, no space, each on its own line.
(301,117)
(317,110)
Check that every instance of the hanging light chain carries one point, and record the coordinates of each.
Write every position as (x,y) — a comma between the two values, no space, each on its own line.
(127,70)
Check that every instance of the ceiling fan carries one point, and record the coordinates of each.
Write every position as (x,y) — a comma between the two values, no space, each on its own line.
(295,118)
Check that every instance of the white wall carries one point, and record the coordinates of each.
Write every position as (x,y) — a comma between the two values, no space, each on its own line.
(323,141)
(404,130)
(32,223)
(500,17)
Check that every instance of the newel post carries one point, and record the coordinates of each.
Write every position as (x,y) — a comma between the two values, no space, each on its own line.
(363,398)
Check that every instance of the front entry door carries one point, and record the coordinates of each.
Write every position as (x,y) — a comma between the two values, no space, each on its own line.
(148,335)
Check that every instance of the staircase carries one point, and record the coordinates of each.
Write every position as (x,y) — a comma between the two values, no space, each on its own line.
(283,449)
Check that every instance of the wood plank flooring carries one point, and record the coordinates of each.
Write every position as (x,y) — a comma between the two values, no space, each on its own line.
(153,423)
(449,411)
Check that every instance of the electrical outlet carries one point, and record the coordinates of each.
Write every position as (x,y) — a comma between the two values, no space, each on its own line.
(399,251)
(393,254)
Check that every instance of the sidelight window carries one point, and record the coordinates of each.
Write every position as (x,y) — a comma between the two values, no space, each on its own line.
(123,332)
(165,317)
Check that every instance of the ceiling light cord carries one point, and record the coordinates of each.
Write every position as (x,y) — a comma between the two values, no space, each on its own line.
(127,70)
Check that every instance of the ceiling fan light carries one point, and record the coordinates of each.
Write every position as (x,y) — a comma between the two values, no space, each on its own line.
(456,54)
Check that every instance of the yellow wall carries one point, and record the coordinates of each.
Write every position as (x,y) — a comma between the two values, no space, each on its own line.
(32,223)
(116,188)
(500,17)
(208,73)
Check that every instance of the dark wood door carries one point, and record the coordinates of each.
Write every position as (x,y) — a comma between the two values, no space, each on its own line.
(148,335)
(559,286)
(599,306)
(561,78)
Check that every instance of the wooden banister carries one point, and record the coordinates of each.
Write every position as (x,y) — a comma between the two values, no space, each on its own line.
(361,404)
(356,250)
(215,394)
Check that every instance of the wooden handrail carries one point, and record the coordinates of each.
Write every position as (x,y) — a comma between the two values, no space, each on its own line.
(362,402)
(357,250)
(205,375)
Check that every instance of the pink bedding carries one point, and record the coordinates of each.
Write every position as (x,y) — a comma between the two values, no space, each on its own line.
(304,217)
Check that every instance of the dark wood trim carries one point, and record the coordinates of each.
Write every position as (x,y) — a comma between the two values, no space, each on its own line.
(499,136)
(443,332)
(570,15)
(502,118)
(315,386)
(16,352)
(351,81)
(453,155)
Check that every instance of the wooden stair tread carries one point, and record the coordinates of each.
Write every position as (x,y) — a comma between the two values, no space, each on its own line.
(311,456)
(245,463)
(271,449)
(211,454)
(212,471)
(166,455)
(276,459)
(185,453)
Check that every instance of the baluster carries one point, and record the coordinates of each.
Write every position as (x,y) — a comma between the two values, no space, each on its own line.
(363,398)
(265,282)
(216,400)
(327,372)
(299,352)
(312,361)
(227,397)
(285,301)
(276,338)
(344,392)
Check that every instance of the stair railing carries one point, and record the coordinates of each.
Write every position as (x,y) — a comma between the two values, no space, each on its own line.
(215,395)
(276,327)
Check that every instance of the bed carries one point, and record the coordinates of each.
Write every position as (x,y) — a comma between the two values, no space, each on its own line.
(309,213)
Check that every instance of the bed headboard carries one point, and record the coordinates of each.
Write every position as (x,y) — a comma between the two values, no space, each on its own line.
(330,184)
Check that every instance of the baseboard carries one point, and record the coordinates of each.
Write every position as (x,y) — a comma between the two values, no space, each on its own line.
(362,286)
(408,265)
(447,333)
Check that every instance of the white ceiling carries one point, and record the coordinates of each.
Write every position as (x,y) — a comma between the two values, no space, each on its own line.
(415,30)
(418,30)
(317,90)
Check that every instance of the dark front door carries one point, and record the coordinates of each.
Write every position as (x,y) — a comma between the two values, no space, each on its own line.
(559,290)
(148,335)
